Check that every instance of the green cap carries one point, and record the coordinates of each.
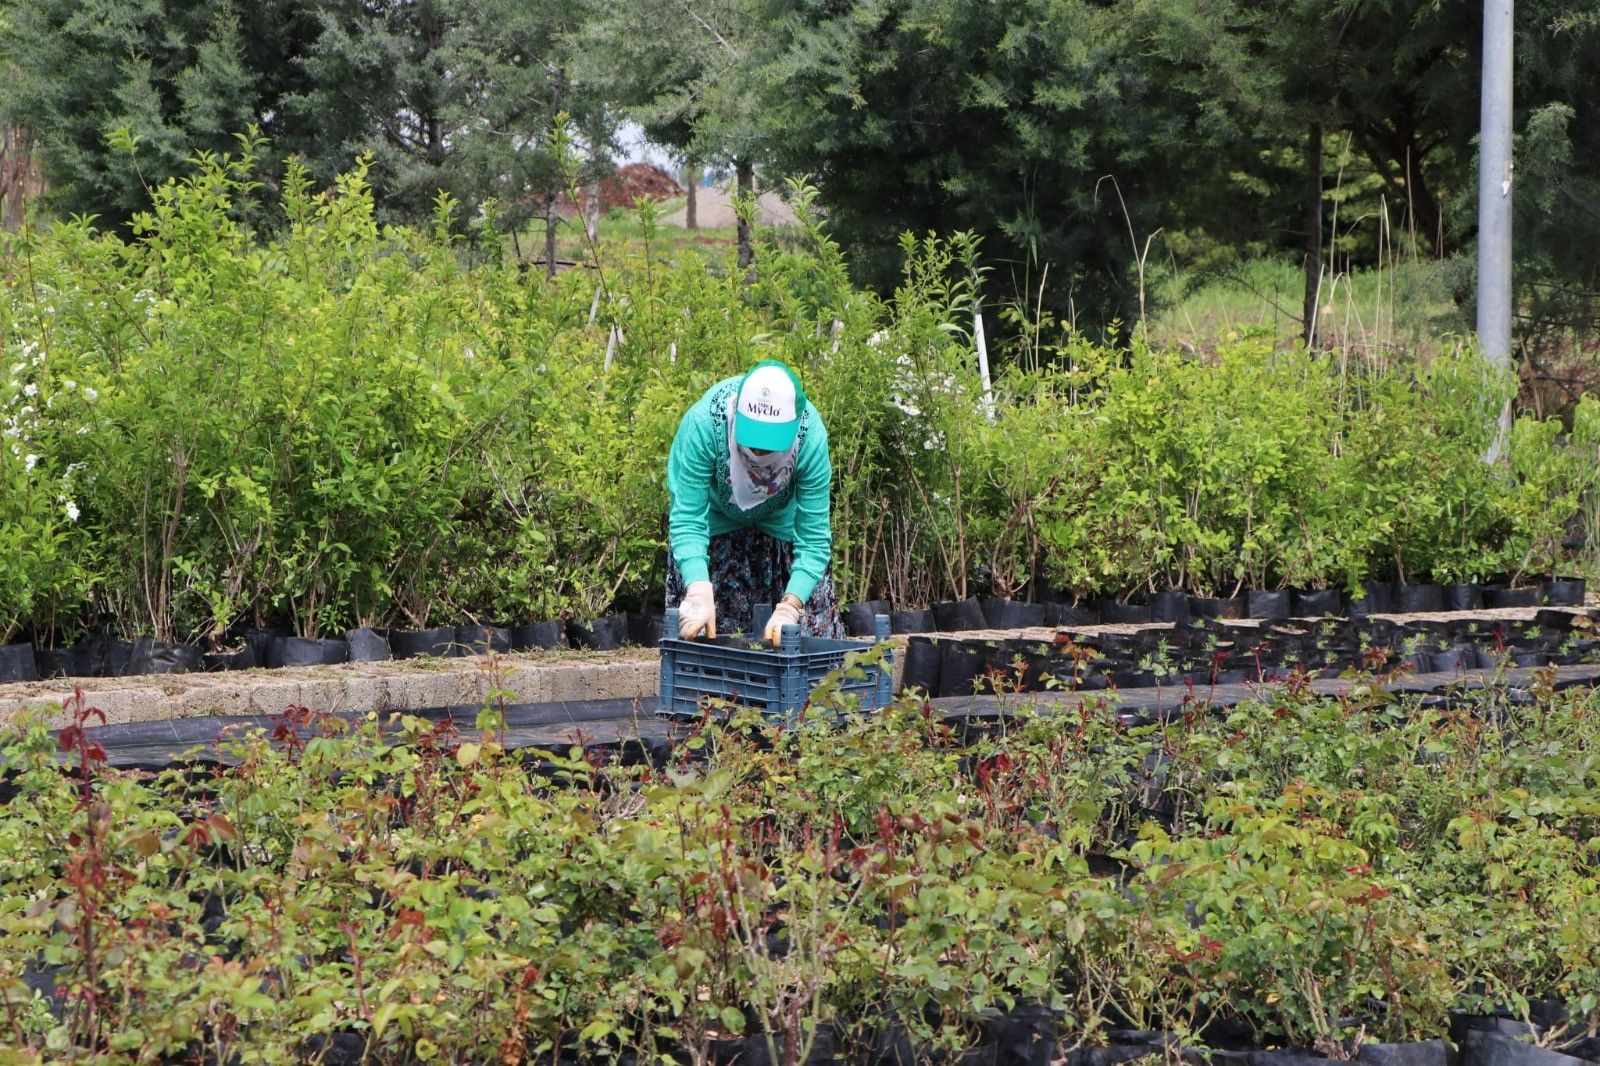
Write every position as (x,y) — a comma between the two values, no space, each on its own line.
(767,411)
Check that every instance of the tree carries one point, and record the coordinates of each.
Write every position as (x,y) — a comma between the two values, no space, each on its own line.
(459,95)
(177,73)
(688,72)
(1003,118)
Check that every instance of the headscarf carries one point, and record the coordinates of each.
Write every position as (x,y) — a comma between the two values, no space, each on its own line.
(756,478)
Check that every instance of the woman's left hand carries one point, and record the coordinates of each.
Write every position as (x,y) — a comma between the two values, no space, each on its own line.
(785,614)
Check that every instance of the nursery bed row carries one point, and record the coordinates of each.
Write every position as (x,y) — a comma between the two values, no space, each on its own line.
(1376,598)
(100,654)
(1205,653)
(565,675)
(626,727)
(383,843)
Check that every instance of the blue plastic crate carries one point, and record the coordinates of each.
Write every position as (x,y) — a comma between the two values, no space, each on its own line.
(777,680)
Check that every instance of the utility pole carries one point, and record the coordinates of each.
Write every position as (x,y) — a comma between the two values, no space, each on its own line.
(1494,205)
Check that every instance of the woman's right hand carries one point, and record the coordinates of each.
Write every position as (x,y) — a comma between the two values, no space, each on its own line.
(697,613)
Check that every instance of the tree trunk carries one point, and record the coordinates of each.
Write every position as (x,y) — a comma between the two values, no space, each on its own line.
(19,178)
(591,211)
(591,191)
(1313,219)
(553,198)
(691,183)
(745,188)
(550,218)
(1398,155)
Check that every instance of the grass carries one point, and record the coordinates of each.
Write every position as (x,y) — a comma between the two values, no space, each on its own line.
(1376,314)
(623,231)
(624,228)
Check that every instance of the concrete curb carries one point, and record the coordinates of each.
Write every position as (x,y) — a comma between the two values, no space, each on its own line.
(383,687)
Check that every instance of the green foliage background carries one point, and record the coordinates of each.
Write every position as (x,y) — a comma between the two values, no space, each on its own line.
(1101,142)
(342,423)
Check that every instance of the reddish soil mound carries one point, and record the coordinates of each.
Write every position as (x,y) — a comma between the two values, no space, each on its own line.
(635,180)
(624,186)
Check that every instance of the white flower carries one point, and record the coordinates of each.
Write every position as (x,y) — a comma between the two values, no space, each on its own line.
(89,393)
(30,389)
(70,384)
(30,461)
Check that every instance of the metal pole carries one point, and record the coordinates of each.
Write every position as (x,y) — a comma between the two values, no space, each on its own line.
(1494,205)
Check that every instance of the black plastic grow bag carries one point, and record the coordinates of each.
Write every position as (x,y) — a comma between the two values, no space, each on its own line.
(1498,596)
(151,656)
(1419,599)
(54,662)
(118,661)
(1565,591)
(306,651)
(1012,614)
(540,635)
(1170,606)
(218,661)
(1216,607)
(1316,603)
(957,616)
(1262,603)
(912,622)
(645,628)
(17,663)
(860,619)
(1066,614)
(605,633)
(409,643)
(367,645)
(478,639)
(1376,597)
(960,664)
(1114,613)
(924,658)
(260,639)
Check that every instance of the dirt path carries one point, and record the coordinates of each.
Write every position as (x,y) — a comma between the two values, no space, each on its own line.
(714,210)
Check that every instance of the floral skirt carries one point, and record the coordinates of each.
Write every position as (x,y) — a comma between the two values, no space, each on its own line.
(749,566)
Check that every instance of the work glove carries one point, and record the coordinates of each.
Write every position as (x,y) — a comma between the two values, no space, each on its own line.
(697,613)
(785,614)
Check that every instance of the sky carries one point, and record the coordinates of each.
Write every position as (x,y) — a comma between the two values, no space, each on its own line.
(635,147)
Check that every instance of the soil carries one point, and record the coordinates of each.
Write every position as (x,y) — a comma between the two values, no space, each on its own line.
(637,180)
(714,210)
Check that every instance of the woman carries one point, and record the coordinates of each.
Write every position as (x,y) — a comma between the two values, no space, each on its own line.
(751,490)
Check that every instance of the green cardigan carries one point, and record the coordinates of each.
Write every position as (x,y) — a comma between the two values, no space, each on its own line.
(702,498)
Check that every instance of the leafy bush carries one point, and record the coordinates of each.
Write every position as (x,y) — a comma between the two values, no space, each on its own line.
(1321,871)
(343,423)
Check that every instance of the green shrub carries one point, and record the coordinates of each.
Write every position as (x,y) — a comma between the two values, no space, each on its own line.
(343,423)
(1325,871)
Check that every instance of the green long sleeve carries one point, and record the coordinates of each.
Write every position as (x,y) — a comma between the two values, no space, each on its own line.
(689,467)
(702,498)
